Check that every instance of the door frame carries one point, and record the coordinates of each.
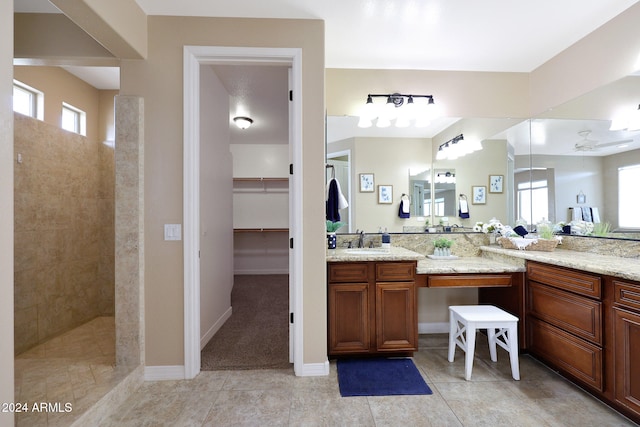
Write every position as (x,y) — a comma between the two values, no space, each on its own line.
(194,57)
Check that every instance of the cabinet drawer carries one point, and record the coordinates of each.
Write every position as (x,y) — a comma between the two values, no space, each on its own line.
(627,294)
(395,271)
(567,352)
(348,272)
(574,281)
(469,281)
(572,313)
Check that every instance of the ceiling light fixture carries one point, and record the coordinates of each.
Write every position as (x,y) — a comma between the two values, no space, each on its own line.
(457,147)
(399,108)
(242,122)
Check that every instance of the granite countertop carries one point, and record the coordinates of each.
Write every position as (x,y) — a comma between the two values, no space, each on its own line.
(624,268)
(495,259)
(394,253)
(467,265)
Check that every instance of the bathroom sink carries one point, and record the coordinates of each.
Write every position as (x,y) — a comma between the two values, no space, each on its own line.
(367,251)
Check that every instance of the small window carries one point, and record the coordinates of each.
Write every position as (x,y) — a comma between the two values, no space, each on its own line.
(27,100)
(628,204)
(74,119)
(533,201)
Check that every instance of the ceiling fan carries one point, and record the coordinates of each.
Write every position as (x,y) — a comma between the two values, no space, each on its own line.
(591,144)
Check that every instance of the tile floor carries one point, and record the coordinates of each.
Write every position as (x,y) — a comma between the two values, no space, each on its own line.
(279,398)
(77,367)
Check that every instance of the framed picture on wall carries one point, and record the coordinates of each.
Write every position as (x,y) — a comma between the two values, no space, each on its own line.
(385,194)
(496,183)
(366,183)
(479,194)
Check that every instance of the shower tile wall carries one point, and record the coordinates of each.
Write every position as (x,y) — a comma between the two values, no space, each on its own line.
(63,231)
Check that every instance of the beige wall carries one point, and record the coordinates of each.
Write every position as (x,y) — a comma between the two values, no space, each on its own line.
(6,207)
(51,35)
(457,93)
(607,54)
(159,79)
(106,120)
(61,86)
(216,213)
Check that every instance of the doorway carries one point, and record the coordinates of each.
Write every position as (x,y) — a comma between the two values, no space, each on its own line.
(194,58)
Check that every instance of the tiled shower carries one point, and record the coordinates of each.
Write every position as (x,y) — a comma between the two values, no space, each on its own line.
(64,231)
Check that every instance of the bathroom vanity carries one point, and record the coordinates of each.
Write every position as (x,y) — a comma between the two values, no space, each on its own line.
(372,305)
(579,312)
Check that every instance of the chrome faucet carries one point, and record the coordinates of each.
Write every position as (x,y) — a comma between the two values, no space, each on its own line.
(361,239)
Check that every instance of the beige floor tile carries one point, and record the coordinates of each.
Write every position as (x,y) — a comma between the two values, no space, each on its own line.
(279,398)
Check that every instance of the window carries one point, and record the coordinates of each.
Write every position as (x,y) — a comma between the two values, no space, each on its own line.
(628,203)
(74,119)
(533,201)
(27,100)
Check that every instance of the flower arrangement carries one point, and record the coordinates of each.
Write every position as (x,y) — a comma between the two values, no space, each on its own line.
(494,227)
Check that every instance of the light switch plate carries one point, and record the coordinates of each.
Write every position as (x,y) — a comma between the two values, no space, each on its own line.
(172,232)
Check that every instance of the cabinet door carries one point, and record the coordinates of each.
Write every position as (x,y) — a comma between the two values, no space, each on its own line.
(627,357)
(396,317)
(572,313)
(349,328)
(573,355)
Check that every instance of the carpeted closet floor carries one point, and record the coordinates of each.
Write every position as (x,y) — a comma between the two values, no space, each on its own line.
(256,336)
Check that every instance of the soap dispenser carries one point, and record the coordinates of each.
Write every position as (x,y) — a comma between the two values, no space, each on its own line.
(386,239)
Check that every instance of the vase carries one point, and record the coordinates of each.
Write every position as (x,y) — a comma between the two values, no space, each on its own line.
(492,239)
(331,240)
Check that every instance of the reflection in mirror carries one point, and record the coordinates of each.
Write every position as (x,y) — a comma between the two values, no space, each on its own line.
(444,193)
(574,168)
(420,187)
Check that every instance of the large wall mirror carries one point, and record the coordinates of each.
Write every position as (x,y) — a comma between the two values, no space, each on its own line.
(404,160)
(558,166)
(568,161)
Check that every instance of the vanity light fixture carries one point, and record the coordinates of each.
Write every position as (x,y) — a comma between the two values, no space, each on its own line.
(445,177)
(402,109)
(457,147)
(243,122)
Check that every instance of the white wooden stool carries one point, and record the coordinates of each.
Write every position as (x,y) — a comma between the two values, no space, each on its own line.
(468,318)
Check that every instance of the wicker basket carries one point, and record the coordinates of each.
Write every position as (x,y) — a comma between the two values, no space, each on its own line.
(543,245)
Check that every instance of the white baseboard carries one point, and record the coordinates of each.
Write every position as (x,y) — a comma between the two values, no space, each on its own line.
(216,326)
(433,328)
(314,370)
(164,373)
(262,271)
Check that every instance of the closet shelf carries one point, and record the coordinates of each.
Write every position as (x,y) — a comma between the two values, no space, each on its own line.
(260,179)
(260,230)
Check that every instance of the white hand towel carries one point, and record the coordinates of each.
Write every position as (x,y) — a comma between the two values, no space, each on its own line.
(405,203)
(464,206)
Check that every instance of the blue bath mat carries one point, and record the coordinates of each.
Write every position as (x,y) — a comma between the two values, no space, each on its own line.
(380,377)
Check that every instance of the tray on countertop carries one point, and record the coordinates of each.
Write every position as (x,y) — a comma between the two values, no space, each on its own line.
(443,257)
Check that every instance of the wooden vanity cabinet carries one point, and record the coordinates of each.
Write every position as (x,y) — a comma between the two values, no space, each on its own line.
(372,308)
(565,321)
(626,339)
